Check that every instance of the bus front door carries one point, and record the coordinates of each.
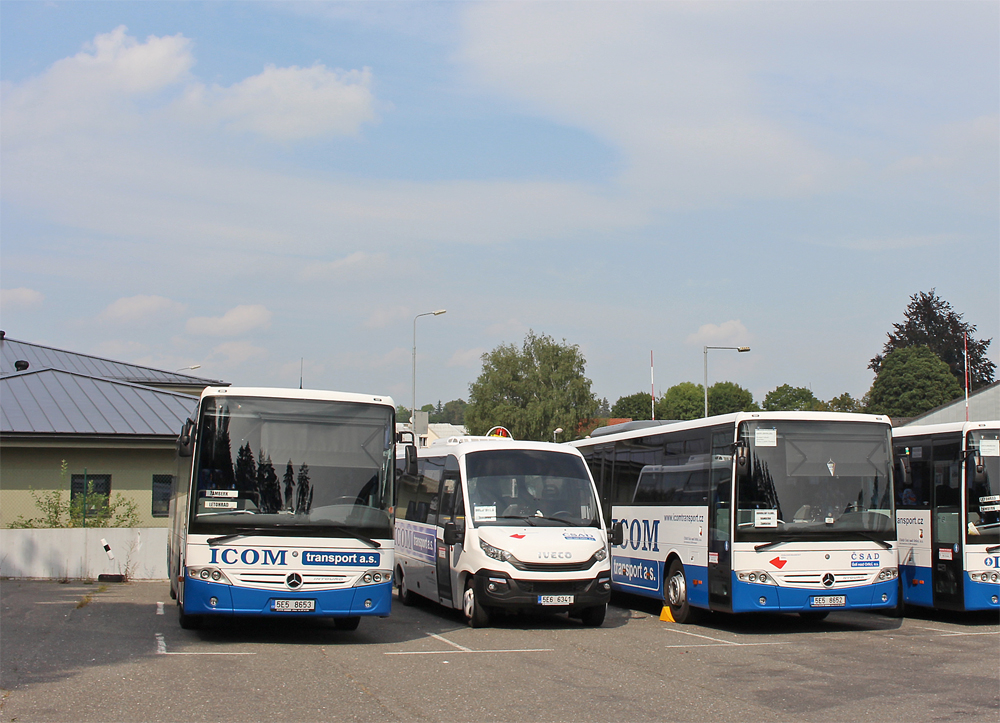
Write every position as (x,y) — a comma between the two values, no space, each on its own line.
(947,552)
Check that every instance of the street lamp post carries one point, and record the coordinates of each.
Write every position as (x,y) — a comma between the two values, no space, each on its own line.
(734,348)
(413,410)
(557,430)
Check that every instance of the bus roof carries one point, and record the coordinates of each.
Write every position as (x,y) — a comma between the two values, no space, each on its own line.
(732,419)
(465,444)
(925,429)
(285,393)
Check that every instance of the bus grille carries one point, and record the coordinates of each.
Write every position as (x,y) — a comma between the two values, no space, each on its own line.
(276,581)
(554,566)
(553,587)
(815,579)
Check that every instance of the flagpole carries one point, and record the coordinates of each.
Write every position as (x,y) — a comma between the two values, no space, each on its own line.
(652,388)
(966,376)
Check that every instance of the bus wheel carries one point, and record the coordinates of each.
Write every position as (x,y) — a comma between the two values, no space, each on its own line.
(188,622)
(405,596)
(594,617)
(475,614)
(347,623)
(675,593)
(814,616)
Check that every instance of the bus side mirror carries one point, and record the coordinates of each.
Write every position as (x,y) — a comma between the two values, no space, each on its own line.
(185,440)
(742,461)
(904,471)
(616,535)
(411,460)
(452,536)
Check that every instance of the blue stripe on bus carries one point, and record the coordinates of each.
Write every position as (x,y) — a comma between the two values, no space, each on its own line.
(917,587)
(251,601)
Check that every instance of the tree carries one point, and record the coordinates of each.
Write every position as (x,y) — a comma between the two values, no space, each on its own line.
(845,403)
(787,398)
(931,322)
(682,401)
(911,381)
(246,469)
(402,414)
(603,408)
(289,483)
(531,391)
(634,406)
(304,494)
(728,397)
(267,484)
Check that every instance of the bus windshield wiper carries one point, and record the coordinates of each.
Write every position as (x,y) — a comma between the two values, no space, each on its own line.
(517,517)
(991,550)
(289,531)
(772,543)
(882,543)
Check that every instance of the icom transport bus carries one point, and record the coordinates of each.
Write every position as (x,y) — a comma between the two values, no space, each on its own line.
(492,524)
(282,506)
(751,512)
(948,514)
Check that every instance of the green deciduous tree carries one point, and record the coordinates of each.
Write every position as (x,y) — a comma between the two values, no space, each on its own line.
(452,412)
(728,397)
(682,401)
(911,381)
(787,398)
(402,414)
(634,406)
(532,390)
(931,322)
(845,403)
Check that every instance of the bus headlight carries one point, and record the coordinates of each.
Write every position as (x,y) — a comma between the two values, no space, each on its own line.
(889,573)
(496,553)
(206,573)
(374,577)
(601,555)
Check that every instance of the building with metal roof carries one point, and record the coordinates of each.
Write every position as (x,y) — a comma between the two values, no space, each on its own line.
(984,406)
(75,422)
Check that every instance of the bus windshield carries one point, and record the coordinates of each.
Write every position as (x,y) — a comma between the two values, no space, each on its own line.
(815,480)
(527,487)
(982,476)
(317,468)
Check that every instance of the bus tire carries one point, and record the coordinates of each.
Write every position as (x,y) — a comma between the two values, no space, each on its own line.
(187,622)
(675,594)
(350,623)
(402,592)
(476,615)
(593,617)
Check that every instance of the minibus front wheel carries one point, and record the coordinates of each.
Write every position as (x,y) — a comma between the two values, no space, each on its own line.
(476,615)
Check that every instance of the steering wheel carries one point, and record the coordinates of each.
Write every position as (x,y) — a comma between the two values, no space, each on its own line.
(562,513)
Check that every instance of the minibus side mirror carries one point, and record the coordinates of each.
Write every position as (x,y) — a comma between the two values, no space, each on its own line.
(616,535)
(185,440)
(411,460)
(452,535)
(742,461)
(978,470)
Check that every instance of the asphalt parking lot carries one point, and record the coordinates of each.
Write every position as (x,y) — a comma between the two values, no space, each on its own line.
(78,652)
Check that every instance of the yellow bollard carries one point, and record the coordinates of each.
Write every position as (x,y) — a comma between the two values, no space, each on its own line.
(665,615)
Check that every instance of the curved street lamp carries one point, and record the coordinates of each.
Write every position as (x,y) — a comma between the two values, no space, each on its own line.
(734,348)
(413,409)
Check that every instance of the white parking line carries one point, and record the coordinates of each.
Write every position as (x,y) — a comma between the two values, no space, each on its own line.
(716,642)
(461,649)
(161,649)
(952,633)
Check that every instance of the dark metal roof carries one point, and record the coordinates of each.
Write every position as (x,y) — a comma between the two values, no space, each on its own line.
(44,357)
(52,401)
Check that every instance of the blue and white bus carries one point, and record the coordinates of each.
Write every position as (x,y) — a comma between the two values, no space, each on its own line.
(282,506)
(948,514)
(751,512)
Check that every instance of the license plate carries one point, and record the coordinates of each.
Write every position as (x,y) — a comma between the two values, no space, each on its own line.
(555,599)
(293,606)
(829,601)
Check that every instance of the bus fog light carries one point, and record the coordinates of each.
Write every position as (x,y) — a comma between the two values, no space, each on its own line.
(762,600)
(368,603)
(213,601)
(885,598)
(994,599)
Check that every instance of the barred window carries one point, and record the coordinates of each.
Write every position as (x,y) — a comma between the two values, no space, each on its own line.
(161,494)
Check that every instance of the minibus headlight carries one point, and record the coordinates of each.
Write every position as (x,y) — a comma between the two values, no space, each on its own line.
(495,552)
(601,555)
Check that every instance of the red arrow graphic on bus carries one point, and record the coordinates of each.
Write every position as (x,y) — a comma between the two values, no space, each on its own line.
(778,562)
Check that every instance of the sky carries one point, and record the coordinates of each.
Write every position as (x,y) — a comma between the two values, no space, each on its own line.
(276,190)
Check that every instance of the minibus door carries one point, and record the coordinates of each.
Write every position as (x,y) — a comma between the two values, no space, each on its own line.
(452,512)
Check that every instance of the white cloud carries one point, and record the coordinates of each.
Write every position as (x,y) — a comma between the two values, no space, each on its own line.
(235,353)
(288,104)
(21,298)
(141,308)
(236,321)
(356,263)
(467,358)
(728,333)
